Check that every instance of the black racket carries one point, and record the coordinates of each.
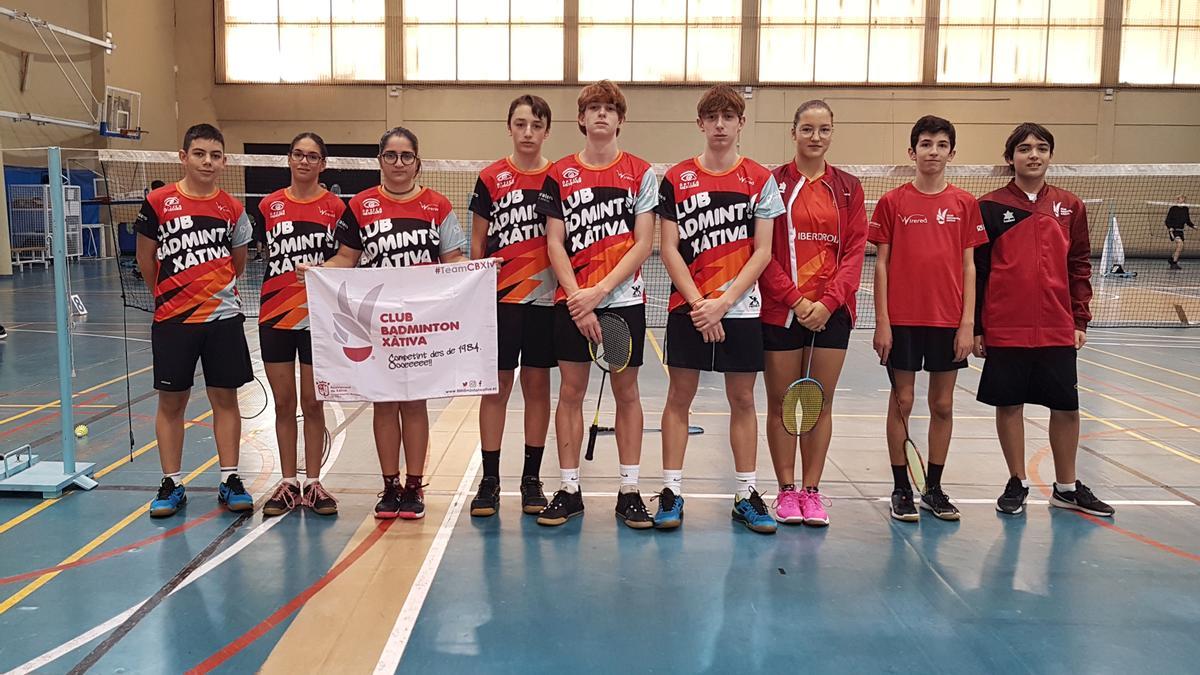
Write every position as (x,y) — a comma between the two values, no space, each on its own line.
(252,400)
(912,456)
(612,354)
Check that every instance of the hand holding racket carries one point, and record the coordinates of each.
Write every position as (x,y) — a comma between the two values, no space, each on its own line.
(912,456)
(803,400)
(612,353)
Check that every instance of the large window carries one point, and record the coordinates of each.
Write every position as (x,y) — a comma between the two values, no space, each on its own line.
(1160,42)
(1020,41)
(660,40)
(841,40)
(304,40)
(483,40)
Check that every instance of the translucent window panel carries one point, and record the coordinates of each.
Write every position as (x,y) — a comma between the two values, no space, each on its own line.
(1187,59)
(843,11)
(1073,56)
(537,11)
(303,52)
(303,11)
(429,52)
(659,11)
(1147,55)
(896,53)
(658,53)
(714,11)
(904,12)
(358,52)
(250,11)
(841,54)
(785,53)
(714,54)
(605,52)
(537,53)
(605,11)
(358,11)
(964,54)
(1022,12)
(1189,13)
(787,11)
(1076,12)
(970,12)
(427,11)
(1151,13)
(482,11)
(1019,55)
(482,52)
(252,53)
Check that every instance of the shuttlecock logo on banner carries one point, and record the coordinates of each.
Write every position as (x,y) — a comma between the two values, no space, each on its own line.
(352,329)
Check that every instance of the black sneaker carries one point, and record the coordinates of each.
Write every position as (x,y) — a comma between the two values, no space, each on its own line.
(412,502)
(319,500)
(3,333)
(285,498)
(564,506)
(533,500)
(903,507)
(1012,501)
(938,503)
(487,499)
(632,510)
(389,501)
(1081,499)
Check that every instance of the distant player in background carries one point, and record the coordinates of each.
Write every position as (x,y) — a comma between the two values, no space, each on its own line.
(1177,217)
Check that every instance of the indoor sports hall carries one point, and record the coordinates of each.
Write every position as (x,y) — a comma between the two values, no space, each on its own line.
(95,97)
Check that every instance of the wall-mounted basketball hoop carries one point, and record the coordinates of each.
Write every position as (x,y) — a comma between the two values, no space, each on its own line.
(121,114)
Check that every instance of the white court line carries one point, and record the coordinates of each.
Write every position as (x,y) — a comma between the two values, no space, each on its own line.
(768,497)
(102,629)
(95,335)
(393,651)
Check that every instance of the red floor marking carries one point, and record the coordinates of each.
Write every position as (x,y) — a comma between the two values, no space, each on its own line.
(1143,397)
(48,416)
(228,651)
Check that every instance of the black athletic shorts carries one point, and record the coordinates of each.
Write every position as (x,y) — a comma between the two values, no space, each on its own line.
(526,335)
(929,348)
(283,346)
(571,346)
(220,346)
(741,352)
(1039,375)
(1174,235)
(835,336)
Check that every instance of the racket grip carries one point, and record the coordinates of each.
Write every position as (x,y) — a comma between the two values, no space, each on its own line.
(591,448)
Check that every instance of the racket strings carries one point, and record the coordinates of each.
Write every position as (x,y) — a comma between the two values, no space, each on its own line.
(616,343)
(802,403)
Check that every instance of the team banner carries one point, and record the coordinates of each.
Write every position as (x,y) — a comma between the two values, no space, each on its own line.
(404,334)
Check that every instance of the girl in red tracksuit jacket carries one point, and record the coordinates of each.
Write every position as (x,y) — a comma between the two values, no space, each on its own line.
(1033,286)
(808,292)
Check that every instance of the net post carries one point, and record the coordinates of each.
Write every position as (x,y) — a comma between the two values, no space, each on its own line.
(58,230)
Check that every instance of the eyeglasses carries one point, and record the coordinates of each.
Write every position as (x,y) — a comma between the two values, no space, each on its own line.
(807,131)
(312,157)
(392,157)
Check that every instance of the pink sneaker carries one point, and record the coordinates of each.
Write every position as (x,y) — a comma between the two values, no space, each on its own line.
(813,508)
(787,507)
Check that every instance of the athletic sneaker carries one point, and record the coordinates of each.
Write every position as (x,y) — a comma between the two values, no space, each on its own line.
(285,498)
(389,501)
(168,500)
(811,504)
(753,513)
(632,510)
(1012,501)
(317,498)
(1081,499)
(564,506)
(3,333)
(903,507)
(487,499)
(787,506)
(233,494)
(670,510)
(533,500)
(938,503)
(412,502)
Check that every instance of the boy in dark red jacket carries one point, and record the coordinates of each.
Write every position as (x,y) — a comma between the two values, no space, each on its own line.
(1033,283)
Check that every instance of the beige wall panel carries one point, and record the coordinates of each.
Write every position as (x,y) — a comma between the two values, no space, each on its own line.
(144,61)
(300,102)
(1158,107)
(1156,144)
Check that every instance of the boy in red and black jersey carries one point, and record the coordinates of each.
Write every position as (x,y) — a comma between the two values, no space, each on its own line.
(1034,286)
(926,231)
(505,224)
(717,213)
(599,224)
(191,250)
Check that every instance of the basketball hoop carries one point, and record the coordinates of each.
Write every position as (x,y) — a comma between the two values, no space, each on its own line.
(121,114)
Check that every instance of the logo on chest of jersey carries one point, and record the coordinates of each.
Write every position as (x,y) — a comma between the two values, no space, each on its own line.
(287,247)
(915,219)
(687,180)
(589,220)
(944,216)
(172,204)
(1060,210)
(571,177)
(504,179)
(705,224)
(1009,217)
(224,210)
(276,208)
(429,207)
(371,207)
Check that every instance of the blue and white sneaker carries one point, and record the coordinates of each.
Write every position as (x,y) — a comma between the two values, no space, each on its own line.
(670,510)
(168,500)
(752,512)
(233,494)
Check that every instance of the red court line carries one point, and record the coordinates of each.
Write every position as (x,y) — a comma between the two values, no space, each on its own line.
(1143,397)
(228,651)
(116,551)
(49,416)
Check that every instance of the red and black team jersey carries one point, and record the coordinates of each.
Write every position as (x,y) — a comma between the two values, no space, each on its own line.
(599,205)
(195,282)
(297,232)
(506,197)
(714,214)
(400,233)
(927,234)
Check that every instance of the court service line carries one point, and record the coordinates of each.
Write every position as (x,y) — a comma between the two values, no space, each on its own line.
(1157,417)
(1149,365)
(89,390)
(1139,377)
(57,405)
(95,335)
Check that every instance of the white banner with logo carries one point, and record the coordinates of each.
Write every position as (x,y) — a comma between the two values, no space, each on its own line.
(404,334)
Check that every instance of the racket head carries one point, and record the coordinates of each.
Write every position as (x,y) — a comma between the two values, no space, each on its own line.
(253,399)
(802,403)
(916,465)
(615,348)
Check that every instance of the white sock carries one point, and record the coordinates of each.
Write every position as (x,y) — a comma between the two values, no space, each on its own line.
(629,477)
(293,481)
(174,476)
(673,480)
(226,472)
(745,483)
(1025,483)
(570,479)
(1064,487)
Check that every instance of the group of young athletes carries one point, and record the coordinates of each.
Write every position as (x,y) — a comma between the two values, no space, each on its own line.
(764,264)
